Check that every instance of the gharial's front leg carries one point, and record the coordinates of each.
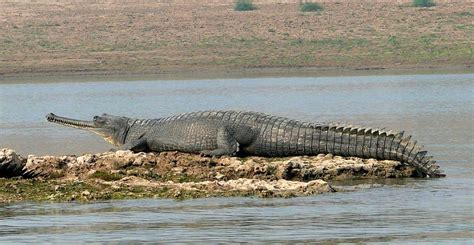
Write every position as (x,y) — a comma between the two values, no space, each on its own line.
(138,145)
(226,144)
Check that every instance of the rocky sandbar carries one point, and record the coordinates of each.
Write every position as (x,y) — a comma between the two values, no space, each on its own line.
(124,174)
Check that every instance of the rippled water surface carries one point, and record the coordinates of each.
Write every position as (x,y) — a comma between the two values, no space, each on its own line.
(437,109)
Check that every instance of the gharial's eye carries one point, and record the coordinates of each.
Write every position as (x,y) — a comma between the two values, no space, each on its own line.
(99,119)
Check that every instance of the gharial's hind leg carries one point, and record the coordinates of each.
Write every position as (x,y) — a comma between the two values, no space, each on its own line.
(226,144)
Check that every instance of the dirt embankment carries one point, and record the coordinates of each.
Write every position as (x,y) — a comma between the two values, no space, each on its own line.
(162,37)
(124,174)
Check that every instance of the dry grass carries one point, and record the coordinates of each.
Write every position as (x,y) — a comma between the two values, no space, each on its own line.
(145,36)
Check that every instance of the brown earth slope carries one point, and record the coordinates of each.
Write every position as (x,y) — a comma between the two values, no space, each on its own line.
(139,36)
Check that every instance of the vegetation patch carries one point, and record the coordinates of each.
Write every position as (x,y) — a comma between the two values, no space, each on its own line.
(337,43)
(423,3)
(310,7)
(244,5)
(392,40)
(103,175)
(464,14)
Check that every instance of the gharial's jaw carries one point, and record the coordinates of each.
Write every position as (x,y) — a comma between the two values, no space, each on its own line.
(80,124)
(97,126)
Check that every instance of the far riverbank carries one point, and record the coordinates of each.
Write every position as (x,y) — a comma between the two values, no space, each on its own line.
(196,38)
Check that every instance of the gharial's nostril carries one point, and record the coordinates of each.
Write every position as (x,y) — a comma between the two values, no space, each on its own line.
(96,117)
(50,116)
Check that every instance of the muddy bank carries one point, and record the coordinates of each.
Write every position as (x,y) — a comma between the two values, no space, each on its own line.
(124,174)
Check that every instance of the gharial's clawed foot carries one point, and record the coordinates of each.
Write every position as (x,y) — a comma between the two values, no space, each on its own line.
(205,153)
(216,153)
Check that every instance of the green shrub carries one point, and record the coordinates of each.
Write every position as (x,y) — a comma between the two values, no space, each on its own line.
(423,3)
(310,7)
(392,40)
(244,5)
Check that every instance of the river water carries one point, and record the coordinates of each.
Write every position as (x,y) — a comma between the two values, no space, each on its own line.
(438,110)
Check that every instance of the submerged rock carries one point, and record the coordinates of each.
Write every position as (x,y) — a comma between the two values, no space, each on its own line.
(176,174)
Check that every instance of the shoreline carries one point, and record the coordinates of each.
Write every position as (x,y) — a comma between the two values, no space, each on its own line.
(200,74)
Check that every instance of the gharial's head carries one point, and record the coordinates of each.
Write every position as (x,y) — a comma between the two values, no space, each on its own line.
(112,128)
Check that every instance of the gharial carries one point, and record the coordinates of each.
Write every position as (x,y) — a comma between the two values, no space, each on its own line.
(216,133)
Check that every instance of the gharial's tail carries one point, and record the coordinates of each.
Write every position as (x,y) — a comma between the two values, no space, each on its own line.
(290,138)
(408,151)
(380,144)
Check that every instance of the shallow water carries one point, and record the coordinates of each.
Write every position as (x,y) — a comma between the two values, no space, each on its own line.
(436,109)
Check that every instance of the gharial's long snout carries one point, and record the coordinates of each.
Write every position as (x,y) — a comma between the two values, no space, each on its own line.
(80,124)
